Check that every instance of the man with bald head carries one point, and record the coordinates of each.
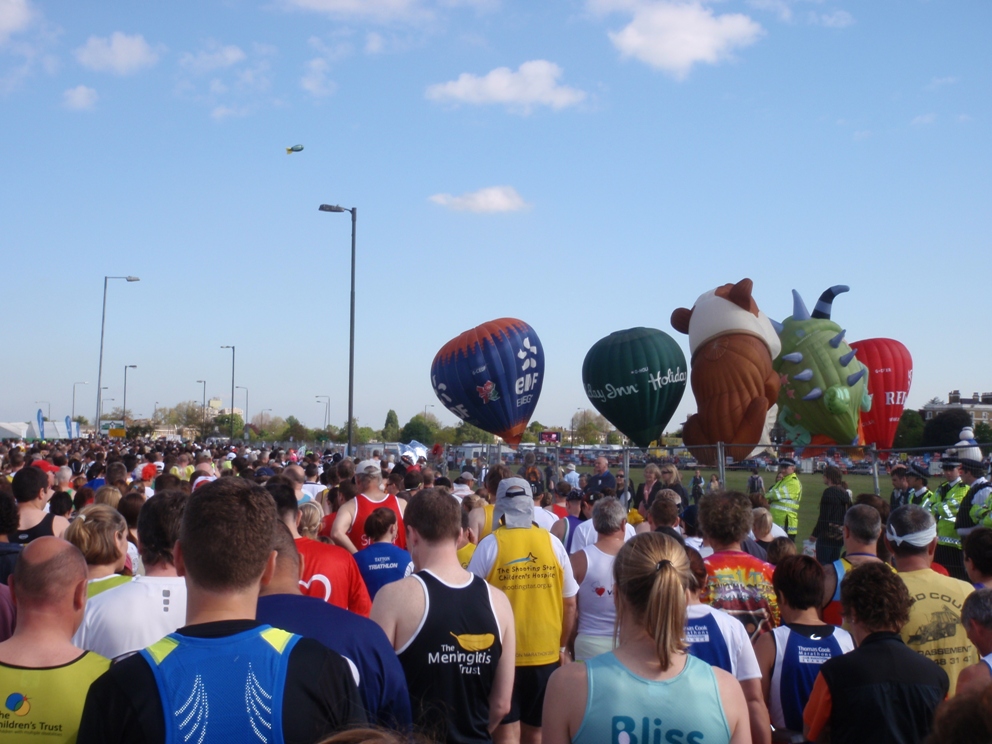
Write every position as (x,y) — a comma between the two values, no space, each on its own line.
(297,476)
(45,677)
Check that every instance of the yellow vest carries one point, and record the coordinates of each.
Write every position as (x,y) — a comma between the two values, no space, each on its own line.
(487,526)
(527,570)
(46,705)
(465,554)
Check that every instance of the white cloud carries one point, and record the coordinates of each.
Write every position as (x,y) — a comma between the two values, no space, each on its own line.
(924,119)
(79,98)
(834,19)
(380,10)
(779,7)
(120,54)
(492,199)
(220,113)
(535,83)
(674,36)
(374,43)
(315,80)
(940,82)
(212,58)
(15,16)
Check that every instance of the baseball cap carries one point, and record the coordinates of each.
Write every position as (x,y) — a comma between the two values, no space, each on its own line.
(366,465)
(45,465)
(466,475)
(513,487)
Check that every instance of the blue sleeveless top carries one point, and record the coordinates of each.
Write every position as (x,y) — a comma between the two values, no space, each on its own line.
(222,689)
(706,642)
(623,708)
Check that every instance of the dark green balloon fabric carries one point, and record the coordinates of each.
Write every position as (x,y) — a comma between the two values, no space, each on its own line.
(636,379)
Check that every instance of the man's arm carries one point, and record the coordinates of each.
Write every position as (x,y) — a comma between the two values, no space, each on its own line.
(764,650)
(579,565)
(59,526)
(359,601)
(568,612)
(342,523)
(476,521)
(734,707)
(557,529)
(501,694)
(757,711)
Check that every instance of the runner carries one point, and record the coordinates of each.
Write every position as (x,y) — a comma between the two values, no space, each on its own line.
(593,570)
(382,562)
(454,634)
(976,617)
(648,689)
(43,676)
(223,657)
(790,656)
(348,529)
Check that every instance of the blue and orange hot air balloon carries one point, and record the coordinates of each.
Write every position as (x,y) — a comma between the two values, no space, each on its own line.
(491,376)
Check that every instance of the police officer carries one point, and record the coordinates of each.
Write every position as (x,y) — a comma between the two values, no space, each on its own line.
(784,497)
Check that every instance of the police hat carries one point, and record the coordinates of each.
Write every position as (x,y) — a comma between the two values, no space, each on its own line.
(917,471)
(786,462)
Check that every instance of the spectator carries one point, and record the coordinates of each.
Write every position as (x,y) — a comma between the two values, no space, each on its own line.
(133,616)
(934,627)
(44,677)
(670,479)
(882,691)
(828,531)
(646,492)
(738,583)
(601,477)
(222,654)
(648,680)
(791,655)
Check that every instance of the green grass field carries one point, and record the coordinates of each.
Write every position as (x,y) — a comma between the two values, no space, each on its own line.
(812,489)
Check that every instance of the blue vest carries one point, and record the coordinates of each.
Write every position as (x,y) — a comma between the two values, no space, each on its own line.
(797,662)
(222,689)
(623,707)
(706,642)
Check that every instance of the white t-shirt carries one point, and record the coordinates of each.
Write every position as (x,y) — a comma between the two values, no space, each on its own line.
(313,490)
(544,518)
(585,534)
(485,556)
(743,662)
(132,616)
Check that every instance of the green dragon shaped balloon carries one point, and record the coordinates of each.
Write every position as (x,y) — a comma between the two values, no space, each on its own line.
(824,387)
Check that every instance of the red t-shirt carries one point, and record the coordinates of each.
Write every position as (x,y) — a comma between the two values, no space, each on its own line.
(325,529)
(331,574)
(560,511)
(364,506)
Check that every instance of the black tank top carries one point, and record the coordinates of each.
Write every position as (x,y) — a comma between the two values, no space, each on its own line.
(450,663)
(42,529)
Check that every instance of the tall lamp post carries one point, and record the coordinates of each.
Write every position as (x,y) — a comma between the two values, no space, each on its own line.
(327,409)
(73,416)
(203,410)
(429,405)
(124,409)
(351,343)
(242,387)
(232,389)
(49,404)
(103,326)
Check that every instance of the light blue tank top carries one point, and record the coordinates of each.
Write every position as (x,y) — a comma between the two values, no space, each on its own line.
(623,708)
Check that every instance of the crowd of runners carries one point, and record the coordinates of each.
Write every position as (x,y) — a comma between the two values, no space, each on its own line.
(167,592)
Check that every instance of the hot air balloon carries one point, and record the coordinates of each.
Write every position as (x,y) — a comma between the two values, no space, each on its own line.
(890,375)
(491,376)
(824,387)
(732,344)
(636,378)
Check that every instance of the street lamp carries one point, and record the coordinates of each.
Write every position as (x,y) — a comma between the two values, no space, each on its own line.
(429,405)
(73,417)
(124,410)
(203,409)
(103,325)
(351,343)
(242,387)
(327,409)
(49,404)
(261,419)
(232,389)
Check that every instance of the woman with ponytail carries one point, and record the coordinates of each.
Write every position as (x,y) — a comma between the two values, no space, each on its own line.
(648,689)
(100,533)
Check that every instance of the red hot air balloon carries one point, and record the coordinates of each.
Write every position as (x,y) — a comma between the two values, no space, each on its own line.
(890,375)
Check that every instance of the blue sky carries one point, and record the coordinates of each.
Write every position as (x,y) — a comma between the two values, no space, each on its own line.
(586,166)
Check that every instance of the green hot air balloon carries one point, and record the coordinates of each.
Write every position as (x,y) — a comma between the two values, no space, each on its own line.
(636,378)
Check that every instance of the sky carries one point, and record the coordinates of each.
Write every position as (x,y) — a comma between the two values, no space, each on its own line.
(583,165)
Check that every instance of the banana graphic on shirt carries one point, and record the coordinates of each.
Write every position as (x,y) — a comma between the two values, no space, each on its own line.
(474,641)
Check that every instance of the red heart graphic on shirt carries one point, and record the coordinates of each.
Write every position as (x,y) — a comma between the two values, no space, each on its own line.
(600,590)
